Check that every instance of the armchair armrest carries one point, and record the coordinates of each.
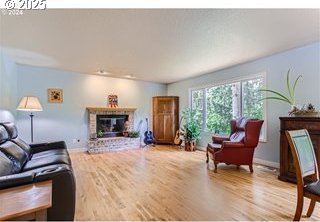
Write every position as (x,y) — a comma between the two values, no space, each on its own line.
(40,147)
(229,144)
(218,138)
(16,180)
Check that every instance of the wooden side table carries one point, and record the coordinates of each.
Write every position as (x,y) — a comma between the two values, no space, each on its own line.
(26,202)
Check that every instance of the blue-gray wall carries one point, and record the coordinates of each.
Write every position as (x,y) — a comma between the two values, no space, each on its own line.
(304,61)
(8,88)
(69,120)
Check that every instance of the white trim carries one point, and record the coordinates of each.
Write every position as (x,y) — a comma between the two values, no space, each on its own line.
(266,163)
(201,148)
(77,150)
(229,81)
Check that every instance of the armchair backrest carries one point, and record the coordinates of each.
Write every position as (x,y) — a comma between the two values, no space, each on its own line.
(238,124)
(238,129)
(246,130)
(252,132)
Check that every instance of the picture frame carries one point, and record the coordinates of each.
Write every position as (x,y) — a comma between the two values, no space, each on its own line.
(55,95)
(112,101)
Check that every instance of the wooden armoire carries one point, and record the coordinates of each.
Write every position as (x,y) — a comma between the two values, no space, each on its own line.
(165,118)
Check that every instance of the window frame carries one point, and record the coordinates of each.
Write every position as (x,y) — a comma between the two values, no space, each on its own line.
(263,136)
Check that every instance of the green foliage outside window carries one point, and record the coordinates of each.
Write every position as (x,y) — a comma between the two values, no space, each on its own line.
(228,101)
(252,96)
(219,108)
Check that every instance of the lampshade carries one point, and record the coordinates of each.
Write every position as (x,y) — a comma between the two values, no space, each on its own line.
(29,103)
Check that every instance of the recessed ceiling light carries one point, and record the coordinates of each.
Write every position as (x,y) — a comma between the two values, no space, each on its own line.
(130,76)
(102,72)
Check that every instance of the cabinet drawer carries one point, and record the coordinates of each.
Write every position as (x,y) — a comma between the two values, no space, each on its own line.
(295,125)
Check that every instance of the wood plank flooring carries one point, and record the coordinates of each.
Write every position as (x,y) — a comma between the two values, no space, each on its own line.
(164,183)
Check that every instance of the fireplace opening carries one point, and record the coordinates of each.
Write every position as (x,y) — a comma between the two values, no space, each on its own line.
(110,125)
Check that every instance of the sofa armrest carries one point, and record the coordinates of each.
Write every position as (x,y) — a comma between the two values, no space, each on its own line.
(16,180)
(229,144)
(40,147)
(63,191)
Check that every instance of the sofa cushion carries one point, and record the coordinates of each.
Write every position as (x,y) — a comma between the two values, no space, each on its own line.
(11,129)
(17,155)
(49,153)
(46,161)
(3,135)
(23,145)
(6,166)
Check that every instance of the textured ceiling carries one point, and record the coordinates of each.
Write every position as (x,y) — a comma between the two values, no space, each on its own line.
(160,45)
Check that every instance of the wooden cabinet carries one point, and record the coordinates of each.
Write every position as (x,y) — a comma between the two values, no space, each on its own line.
(312,124)
(165,118)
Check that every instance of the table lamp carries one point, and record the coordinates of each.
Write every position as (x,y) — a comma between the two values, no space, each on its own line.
(31,104)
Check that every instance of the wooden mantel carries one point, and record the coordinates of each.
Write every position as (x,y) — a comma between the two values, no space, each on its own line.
(108,109)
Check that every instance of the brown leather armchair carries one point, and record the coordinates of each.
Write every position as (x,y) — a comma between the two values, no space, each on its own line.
(238,148)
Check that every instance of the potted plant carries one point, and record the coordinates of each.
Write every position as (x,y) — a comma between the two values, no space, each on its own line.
(191,128)
(290,99)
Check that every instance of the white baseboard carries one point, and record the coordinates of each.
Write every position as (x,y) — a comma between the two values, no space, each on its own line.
(77,150)
(266,163)
(201,148)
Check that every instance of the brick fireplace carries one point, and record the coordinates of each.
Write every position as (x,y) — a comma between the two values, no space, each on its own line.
(105,129)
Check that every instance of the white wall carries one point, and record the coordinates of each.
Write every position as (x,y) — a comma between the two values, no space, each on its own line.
(8,87)
(304,61)
(69,120)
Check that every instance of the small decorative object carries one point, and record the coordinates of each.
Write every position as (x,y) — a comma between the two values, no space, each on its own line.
(125,131)
(113,101)
(191,128)
(55,95)
(287,99)
(305,111)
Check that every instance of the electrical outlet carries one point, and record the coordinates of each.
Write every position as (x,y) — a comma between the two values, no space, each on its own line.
(74,140)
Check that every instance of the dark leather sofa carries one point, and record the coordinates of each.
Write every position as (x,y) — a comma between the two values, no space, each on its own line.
(21,163)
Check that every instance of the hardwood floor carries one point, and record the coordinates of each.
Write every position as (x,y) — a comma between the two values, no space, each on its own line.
(163,183)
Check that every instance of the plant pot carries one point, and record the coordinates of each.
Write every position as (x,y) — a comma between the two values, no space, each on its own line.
(190,146)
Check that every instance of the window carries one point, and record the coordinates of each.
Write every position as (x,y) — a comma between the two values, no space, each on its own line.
(220,103)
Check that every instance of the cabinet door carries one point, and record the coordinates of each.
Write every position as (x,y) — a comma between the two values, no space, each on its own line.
(158,127)
(168,128)
(165,106)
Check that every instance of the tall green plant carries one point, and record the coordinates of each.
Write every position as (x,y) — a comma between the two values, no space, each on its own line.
(191,126)
(280,96)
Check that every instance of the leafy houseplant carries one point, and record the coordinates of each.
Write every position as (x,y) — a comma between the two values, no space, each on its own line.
(191,128)
(290,98)
(100,134)
(134,134)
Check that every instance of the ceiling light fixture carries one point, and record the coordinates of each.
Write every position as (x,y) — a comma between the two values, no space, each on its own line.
(130,76)
(102,72)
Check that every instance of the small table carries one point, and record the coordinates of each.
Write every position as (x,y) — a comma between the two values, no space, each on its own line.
(26,202)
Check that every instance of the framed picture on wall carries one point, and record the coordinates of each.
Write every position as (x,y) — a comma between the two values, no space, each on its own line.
(55,95)
(113,101)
